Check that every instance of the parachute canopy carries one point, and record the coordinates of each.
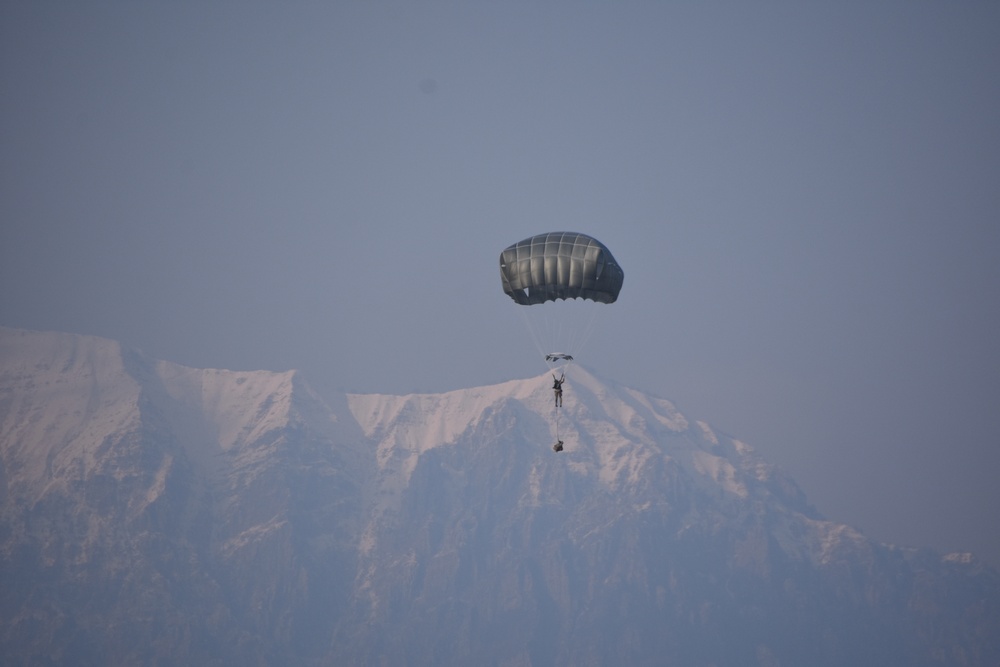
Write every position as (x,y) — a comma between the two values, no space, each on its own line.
(560,265)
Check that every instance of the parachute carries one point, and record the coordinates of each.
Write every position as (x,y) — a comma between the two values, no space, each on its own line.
(560,265)
(559,281)
(563,278)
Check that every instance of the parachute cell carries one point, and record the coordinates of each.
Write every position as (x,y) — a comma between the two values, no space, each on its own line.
(560,265)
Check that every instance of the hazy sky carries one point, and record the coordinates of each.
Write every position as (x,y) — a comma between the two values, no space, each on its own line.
(805,198)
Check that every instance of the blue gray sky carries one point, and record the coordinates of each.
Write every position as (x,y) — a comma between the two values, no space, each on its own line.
(804,198)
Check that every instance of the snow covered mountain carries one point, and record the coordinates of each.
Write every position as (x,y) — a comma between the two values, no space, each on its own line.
(156,514)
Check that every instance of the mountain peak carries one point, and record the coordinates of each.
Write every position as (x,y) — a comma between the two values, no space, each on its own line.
(262,522)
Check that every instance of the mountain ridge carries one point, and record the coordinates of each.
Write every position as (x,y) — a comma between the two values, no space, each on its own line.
(162,514)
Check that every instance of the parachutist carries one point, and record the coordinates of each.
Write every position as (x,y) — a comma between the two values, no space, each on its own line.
(558,447)
(557,388)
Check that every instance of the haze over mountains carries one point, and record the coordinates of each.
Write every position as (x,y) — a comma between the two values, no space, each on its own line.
(152,513)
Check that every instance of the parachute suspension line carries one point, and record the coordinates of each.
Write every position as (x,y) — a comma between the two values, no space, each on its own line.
(531,330)
(543,325)
(587,328)
(563,327)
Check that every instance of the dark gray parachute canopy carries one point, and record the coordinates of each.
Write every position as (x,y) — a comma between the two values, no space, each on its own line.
(560,265)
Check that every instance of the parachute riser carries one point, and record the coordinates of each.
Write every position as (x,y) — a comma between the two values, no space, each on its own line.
(561,329)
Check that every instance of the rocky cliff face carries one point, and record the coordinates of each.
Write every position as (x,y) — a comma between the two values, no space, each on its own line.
(157,514)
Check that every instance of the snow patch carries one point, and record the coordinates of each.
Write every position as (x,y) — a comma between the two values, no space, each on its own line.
(65,394)
(534,487)
(253,535)
(160,479)
(720,471)
(239,406)
(420,422)
(963,558)
(708,433)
